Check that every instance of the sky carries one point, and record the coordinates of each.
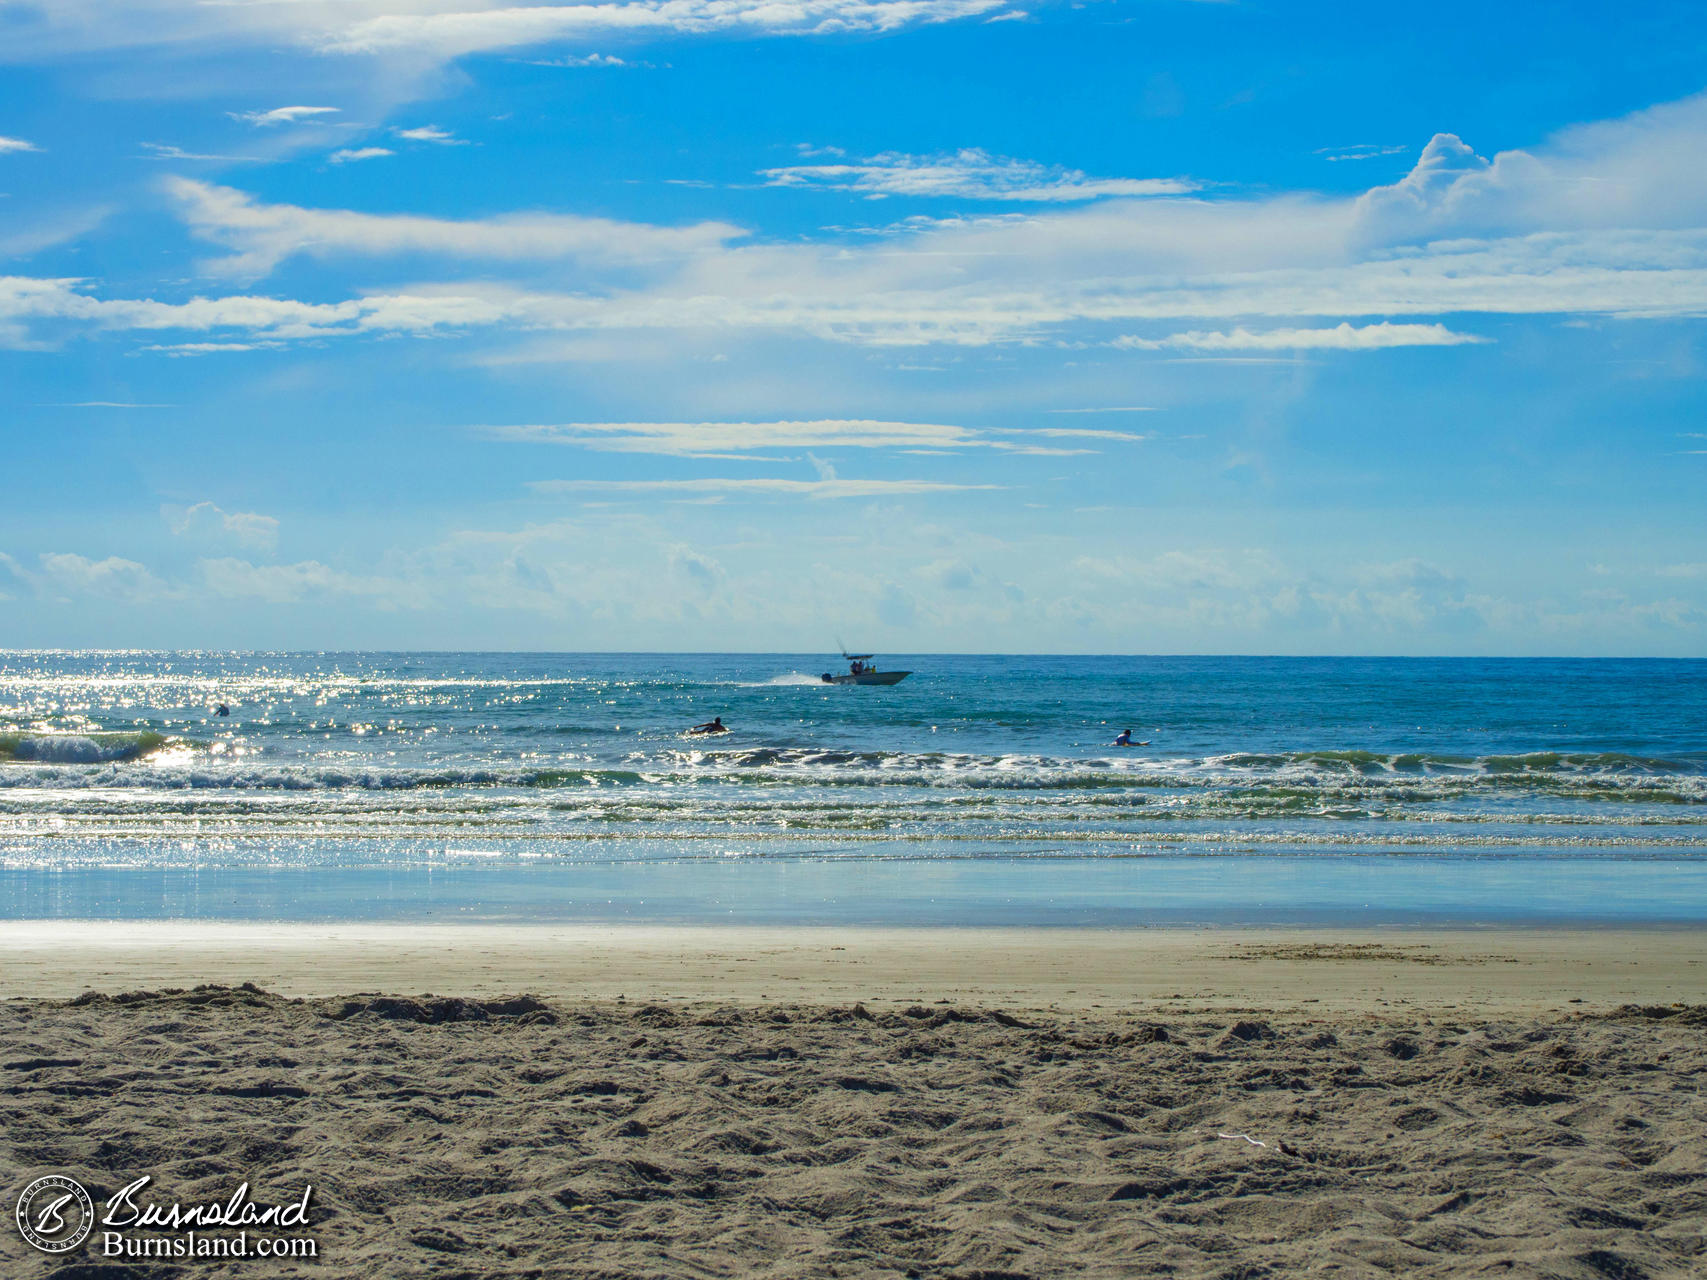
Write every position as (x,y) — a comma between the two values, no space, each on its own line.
(1126,326)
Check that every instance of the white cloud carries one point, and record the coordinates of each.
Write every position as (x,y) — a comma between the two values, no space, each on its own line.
(1553,231)
(1343,337)
(281,115)
(16,144)
(1638,170)
(176,349)
(587,60)
(1360,151)
(1109,408)
(207,522)
(166,151)
(1087,433)
(233,578)
(831,488)
(1664,274)
(261,236)
(739,439)
(967,174)
(348,154)
(443,29)
(431,133)
(476,30)
(113,578)
(705,573)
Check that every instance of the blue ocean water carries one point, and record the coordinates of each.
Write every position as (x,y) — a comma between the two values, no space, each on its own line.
(979,790)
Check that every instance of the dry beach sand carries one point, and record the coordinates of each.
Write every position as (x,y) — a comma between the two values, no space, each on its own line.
(1201,1104)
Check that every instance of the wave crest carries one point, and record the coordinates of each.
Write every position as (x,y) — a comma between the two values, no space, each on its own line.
(80,748)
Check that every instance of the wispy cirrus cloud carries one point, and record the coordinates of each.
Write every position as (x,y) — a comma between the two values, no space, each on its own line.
(742,439)
(416,35)
(482,29)
(1605,220)
(1668,278)
(1108,408)
(587,60)
(834,487)
(1342,337)
(281,115)
(16,144)
(166,151)
(349,155)
(1083,433)
(1360,151)
(261,236)
(966,174)
(431,133)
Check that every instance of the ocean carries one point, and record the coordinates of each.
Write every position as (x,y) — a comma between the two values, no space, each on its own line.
(980,790)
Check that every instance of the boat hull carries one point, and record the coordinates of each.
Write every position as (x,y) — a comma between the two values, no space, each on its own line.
(868,677)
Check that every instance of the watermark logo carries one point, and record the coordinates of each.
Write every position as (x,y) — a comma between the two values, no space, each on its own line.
(55,1214)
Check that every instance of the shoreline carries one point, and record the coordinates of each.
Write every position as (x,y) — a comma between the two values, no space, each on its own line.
(1506,970)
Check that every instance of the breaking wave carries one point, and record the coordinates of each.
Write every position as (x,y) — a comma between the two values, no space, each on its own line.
(1303,782)
(80,748)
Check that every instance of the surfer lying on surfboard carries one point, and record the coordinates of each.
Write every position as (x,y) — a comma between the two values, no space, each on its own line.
(714,725)
(1124,739)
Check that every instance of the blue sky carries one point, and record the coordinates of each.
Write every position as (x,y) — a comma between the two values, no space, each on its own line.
(1126,326)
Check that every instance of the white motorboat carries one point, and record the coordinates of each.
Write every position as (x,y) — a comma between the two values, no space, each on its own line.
(861,670)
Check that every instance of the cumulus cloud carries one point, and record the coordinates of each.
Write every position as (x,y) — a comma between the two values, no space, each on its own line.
(260,236)
(206,522)
(967,174)
(16,144)
(112,578)
(703,572)
(1343,337)
(1635,171)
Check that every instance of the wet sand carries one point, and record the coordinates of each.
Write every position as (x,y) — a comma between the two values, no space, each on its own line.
(1508,970)
(959,1105)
